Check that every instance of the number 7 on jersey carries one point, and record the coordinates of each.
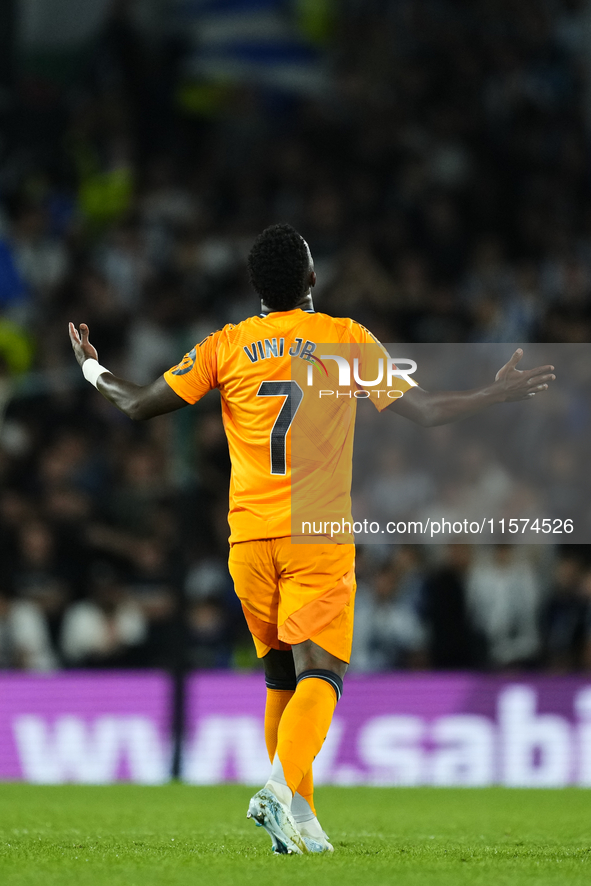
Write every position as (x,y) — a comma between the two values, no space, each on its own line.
(293,397)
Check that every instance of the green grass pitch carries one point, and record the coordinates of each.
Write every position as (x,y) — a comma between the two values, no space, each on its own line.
(127,835)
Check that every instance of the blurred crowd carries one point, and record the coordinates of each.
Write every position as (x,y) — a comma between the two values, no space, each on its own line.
(442,182)
(492,607)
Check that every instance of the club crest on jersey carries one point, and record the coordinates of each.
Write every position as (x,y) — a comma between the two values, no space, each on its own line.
(186,363)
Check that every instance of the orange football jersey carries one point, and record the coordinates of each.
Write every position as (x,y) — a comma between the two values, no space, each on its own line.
(264,385)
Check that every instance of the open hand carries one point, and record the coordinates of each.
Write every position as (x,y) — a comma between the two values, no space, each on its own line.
(516,384)
(82,348)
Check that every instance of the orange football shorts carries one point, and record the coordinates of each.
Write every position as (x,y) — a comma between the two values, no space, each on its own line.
(296,592)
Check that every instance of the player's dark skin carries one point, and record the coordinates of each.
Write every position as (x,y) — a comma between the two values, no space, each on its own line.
(426,408)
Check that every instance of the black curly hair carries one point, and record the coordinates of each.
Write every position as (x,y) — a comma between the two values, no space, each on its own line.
(278,264)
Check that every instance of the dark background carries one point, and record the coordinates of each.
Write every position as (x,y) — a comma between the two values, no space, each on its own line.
(435,155)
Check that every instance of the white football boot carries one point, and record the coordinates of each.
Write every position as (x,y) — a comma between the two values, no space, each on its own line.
(313,836)
(276,818)
(311,833)
(276,846)
(309,826)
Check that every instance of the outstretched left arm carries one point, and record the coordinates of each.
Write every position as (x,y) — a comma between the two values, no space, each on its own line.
(441,407)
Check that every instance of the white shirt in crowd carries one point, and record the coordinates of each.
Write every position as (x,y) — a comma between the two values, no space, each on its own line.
(24,638)
(87,630)
(504,597)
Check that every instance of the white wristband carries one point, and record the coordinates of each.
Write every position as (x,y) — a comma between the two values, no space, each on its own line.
(92,369)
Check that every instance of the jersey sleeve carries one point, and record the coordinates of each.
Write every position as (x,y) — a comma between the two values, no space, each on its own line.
(196,374)
(370,354)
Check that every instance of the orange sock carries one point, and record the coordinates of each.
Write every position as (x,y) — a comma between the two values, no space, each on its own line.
(277,700)
(303,728)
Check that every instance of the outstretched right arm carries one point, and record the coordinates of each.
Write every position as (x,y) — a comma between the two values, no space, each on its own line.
(137,401)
